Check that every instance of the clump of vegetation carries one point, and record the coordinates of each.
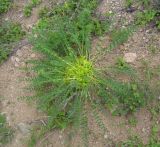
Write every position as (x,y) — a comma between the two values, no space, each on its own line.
(154,141)
(149,11)
(66,82)
(133,141)
(120,36)
(128,3)
(145,17)
(43,12)
(6,133)
(4,5)
(123,98)
(28,8)
(9,34)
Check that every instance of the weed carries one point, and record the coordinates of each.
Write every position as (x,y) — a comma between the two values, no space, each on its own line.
(145,17)
(66,75)
(154,140)
(3,55)
(127,96)
(132,121)
(128,3)
(4,5)
(149,12)
(35,2)
(43,12)
(28,8)
(158,24)
(9,34)
(122,98)
(134,141)
(6,133)
(120,36)
(66,82)
(121,63)
(153,49)
(144,2)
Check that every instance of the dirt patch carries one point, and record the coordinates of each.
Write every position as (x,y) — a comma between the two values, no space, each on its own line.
(12,83)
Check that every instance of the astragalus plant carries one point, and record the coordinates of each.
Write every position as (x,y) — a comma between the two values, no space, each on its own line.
(65,77)
(66,82)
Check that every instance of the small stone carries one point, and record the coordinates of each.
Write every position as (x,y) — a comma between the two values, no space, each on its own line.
(3,113)
(19,53)
(23,64)
(60,136)
(50,145)
(130,57)
(17,59)
(147,40)
(33,55)
(24,128)
(144,38)
(5,103)
(16,64)
(8,119)
(24,47)
(141,30)
(105,136)
(29,26)
(21,16)
(6,19)
(143,130)
(13,59)
(35,36)
(62,142)
(147,31)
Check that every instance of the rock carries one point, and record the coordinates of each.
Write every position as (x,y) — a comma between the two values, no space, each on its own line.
(5,103)
(16,64)
(50,145)
(33,55)
(23,64)
(29,26)
(143,130)
(130,57)
(8,119)
(105,136)
(13,59)
(147,31)
(25,48)
(19,53)
(60,136)
(147,40)
(24,128)
(35,36)
(17,59)
(6,19)
(3,113)
(21,16)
